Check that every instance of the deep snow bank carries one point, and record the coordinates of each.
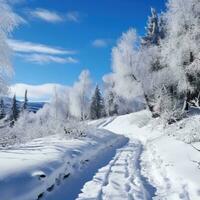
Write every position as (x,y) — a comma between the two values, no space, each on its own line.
(28,171)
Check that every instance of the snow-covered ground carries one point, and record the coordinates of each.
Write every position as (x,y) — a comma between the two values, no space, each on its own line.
(170,165)
(155,163)
(33,170)
(120,179)
(173,167)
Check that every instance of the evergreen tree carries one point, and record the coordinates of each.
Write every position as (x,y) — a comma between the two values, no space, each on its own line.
(155,32)
(25,101)
(154,29)
(14,111)
(2,109)
(97,107)
(112,107)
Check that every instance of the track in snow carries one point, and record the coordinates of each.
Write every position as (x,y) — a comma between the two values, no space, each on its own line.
(120,179)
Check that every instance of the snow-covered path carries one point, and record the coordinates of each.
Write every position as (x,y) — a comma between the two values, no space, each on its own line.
(71,187)
(105,165)
(171,167)
(120,179)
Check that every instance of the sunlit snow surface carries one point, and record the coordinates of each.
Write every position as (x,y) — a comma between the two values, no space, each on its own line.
(39,167)
(154,164)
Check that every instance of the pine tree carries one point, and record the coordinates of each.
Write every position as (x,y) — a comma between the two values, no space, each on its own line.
(97,107)
(25,101)
(155,32)
(14,112)
(2,109)
(154,29)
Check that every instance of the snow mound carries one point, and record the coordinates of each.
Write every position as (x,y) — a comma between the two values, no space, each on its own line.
(186,130)
(136,125)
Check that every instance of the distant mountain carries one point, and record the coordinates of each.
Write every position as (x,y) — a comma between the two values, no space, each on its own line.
(35,106)
(32,106)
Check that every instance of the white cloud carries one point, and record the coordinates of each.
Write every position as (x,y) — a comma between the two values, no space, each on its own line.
(29,47)
(100,43)
(45,59)
(73,16)
(54,17)
(40,53)
(42,92)
(46,15)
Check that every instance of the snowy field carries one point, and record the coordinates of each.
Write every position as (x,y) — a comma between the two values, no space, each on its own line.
(82,144)
(105,165)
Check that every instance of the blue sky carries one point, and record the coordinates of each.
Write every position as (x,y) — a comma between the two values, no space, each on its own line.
(60,38)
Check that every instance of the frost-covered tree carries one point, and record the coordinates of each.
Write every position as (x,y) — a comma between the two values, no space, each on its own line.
(9,20)
(58,109)
(153,30)
(125,62)
(79,96)
(111,104)
(97,107)
(2,109)
(14,115)
(132,68)
(165,67)
(121,105)
(181,46)
(25,103)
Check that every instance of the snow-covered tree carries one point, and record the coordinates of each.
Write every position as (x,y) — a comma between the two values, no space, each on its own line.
(111,104)
(25,103)
(79,96)
(9,20)
(14,115)
(59,105)
(121,105)
(97,107)
(181,45)
(125,65)
(153,30)
(2,109)
(132,68)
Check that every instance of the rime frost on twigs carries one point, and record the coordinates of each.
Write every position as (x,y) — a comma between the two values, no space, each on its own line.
(9,20)
(79,96)
(125,64)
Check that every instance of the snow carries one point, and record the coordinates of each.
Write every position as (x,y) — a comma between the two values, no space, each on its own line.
(31,170)
(187,129)
(171,166)
(120,179)
(52,155)
(135,126)
(153,164)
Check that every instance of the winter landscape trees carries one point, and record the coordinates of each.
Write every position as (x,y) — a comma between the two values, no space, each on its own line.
(161,66)
(9,20)
(159,70)
(81,127)
(97,107)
